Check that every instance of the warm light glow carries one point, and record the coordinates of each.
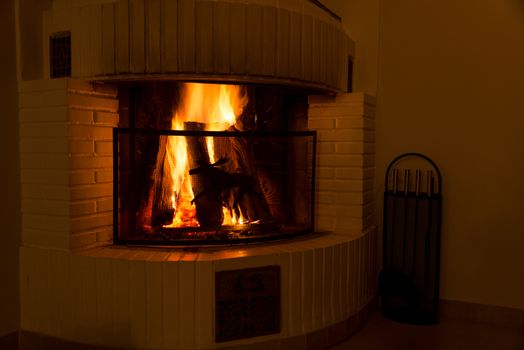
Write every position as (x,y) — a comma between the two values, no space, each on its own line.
(217,106)
(230,218)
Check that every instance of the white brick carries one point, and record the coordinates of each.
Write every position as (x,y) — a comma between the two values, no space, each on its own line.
(45,222)
(45,206)
(315,100)
(44,161)
(104,147)
(84,147)
(351,211)
(346,135)
(324,223)
(79,86)
(358,97)
(349,198)
(104,176)
(82,240)
(83,177)
(43,85)
(324,198)
(327,123)
(105,236)
(82,208)
(349,148)
(104,89)
(368,210)
(350,123)
(355,173)
(40,191)
(40,238)
(90,162)
(43,99)
(368,185)
(43,115)
(325,147)
(104,204)
(325,173)
(44,130)
(106,118)
(93,103)
(32,145)
(354,197)
(340,185)
(339,160)
(44,176)
(355,123)
(344,223)
(84,223)
(350,109)
(355,148)
(352,224)
(80,116)
(90,132)
(91,191)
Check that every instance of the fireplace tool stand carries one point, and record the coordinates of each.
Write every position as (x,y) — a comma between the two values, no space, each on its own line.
(409,280)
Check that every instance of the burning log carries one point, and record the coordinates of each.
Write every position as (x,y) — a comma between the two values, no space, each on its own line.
(208,204)
(162,211)
(220,181)
(248,197)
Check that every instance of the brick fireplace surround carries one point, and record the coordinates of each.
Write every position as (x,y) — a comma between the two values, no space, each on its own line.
(77,288)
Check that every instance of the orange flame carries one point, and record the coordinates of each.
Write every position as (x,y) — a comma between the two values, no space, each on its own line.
(217,106)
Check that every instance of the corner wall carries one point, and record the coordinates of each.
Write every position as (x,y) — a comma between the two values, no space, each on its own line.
(10,174)
(450,87)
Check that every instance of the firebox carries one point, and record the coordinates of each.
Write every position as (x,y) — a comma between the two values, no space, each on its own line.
(198,163)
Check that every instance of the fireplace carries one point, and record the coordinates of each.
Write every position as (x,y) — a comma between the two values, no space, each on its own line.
(131,62)
(212,164)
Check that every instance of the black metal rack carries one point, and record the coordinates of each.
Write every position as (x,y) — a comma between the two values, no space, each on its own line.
(409,281)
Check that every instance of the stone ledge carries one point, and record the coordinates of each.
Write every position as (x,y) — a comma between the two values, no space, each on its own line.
(170,254)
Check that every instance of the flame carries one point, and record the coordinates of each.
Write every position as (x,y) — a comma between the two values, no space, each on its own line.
(230,218)
(217,106)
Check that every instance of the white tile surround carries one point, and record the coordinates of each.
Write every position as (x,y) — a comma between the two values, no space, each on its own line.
(76,286)
(278,41)
(66,162)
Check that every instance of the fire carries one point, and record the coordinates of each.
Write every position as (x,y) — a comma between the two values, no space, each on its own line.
(216,106)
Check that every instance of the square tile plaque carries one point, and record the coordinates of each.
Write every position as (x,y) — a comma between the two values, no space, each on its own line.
(247,303)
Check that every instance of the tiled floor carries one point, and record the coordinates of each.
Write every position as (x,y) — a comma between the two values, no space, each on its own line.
(383,334)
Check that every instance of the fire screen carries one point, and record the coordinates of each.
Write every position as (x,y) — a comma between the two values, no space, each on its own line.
(212,187)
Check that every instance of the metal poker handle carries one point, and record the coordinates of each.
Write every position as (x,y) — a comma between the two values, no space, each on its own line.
(395,180)
(406,181)
(430,182)
(417,181)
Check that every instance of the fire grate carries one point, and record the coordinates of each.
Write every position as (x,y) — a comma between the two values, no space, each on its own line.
(60,52)
(247,303)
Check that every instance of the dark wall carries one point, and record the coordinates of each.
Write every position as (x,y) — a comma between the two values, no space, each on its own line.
(10,213)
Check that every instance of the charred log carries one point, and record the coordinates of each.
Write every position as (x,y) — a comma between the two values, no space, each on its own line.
(208,204)
(248,197)
(162,211)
